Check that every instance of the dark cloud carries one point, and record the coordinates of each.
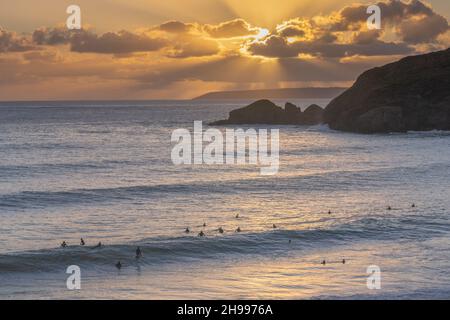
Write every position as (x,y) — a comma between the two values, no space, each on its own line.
(392,11)
(176,27)
(273,46)
(11,42)
(367,37)
(121,42)
(180,44)
(276,46)
(292,31)
(328,38)
(423,30)
(337,50)
(116,43)
(54,36)
(231,29)
(414,21)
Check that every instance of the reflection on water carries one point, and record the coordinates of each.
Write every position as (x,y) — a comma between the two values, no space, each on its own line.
(105,174)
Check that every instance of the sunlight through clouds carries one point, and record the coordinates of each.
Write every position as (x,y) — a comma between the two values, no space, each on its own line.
(151,46)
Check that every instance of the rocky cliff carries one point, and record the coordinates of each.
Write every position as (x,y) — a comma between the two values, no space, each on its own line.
(411,94)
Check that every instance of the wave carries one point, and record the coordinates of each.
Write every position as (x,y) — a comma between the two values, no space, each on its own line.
(160,250)
(94,131)
(324,182)
(14,170)
(28,146)
(441,292)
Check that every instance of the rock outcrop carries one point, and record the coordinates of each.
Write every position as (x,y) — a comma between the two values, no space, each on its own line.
(313,115)
(266,112)
(410,94)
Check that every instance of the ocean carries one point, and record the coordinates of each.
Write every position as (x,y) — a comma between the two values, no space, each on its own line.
(102,171)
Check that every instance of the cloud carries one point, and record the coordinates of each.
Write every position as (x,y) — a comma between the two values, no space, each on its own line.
(392,11)
(414,21)
(366,37)
(176,27)
(273,46)
(344,33)
(423,30)
(174,37)
(296,28)
(117,43)
(121,42)
(53,36)
(231,29)
(340,34)
(279,47)
(11,42)
(292,31)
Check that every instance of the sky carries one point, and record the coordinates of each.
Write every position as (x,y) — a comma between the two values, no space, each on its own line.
(179,49)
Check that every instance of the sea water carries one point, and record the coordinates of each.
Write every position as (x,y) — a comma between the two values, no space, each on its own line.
(102,171)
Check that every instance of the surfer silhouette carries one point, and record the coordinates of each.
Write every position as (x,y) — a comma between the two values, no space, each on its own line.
(138,253)
(98,245)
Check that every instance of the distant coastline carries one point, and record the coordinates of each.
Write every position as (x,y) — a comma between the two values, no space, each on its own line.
(290,93)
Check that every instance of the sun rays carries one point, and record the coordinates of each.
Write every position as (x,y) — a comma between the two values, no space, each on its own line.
(165,49)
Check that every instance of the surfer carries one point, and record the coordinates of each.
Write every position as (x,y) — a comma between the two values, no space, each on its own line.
(237,216)
(118,265)
(413,205)
(187,230)
(204,224)
(324,262)
(220,230)
(238,229)
(138,253)
(389,208)
(98,245)
(82,242)
(63,244)
(201,234)
(274,226)
(343,261)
